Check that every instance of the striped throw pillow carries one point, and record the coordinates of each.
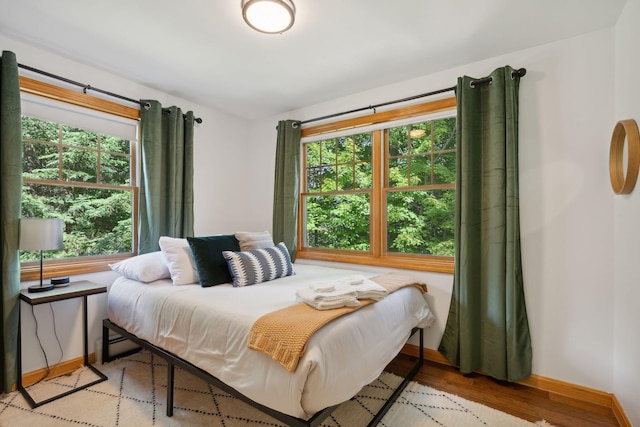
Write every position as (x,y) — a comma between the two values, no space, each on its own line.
(259,265)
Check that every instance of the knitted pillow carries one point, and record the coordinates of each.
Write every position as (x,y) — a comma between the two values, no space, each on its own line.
(259,265)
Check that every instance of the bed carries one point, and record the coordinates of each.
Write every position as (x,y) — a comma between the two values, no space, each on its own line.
(205,330)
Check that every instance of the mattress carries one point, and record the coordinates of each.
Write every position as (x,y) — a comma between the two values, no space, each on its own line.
(209,328)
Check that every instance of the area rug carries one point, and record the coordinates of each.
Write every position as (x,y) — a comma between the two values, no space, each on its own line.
(135,395)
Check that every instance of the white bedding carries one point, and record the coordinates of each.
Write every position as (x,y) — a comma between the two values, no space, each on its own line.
(208,327)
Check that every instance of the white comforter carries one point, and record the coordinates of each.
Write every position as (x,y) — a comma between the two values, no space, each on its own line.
(209,327)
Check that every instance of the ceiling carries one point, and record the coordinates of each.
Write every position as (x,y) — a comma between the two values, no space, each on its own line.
(202,50)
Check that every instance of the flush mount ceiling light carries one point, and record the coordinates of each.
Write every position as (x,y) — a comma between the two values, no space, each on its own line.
(269,16)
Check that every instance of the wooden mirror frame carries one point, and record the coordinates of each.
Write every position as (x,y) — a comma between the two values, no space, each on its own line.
(624,129)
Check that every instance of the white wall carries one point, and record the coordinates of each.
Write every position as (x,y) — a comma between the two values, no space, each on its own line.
(626,338)
(220,143)
(566,111)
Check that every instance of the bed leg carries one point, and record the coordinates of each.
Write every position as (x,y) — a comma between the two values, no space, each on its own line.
(396,393)
(421,357)
(105,344)
(170,376)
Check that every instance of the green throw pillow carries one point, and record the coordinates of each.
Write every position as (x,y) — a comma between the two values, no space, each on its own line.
(210,264)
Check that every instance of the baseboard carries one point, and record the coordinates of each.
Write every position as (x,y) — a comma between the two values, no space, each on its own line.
(557,387)
(60,369)
(621,417)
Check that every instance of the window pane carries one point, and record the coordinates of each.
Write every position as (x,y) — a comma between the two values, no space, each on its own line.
(421,222)
(431,156)
(363,146)
(328,179)
(345,149)
(328,152)
(364,177)
(444,134)
(114,169)
(346,177)
(115,144)
(420,170)
(96,221)
(313,153)
(313,180)
(338,222)
(398,143)
(444,168)
(420,136)
(79,165)
(40,161)
(398,172)
(39,130)
(338,164)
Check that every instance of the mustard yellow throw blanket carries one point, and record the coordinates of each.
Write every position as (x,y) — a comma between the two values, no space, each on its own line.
(283,334)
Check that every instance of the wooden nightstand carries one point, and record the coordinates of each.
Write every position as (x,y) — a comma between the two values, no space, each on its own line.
(78,289)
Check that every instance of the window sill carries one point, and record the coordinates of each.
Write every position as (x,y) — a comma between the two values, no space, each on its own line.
(436,264)
(68,267)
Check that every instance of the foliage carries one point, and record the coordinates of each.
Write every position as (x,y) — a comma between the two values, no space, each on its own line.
(420,198)
(64,168)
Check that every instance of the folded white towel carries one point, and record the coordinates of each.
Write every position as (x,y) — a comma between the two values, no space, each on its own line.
(328,300)
(309,294)
(329,305)
(343,292)
(365,288)
(323,287)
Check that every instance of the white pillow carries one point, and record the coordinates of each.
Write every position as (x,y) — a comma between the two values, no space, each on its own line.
(177,253)
(143,268)
(254,240)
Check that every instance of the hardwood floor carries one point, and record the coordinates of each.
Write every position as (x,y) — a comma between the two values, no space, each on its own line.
(519,400)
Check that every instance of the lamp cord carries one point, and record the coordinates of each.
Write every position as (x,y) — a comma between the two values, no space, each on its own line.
(44,353)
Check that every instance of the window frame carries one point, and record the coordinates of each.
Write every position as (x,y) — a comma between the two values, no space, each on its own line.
(377,255)
(30,270)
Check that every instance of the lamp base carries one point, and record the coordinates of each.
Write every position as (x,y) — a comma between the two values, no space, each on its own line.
(60,282)
(40,288)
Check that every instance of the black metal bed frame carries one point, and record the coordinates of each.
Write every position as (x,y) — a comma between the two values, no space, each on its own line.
(173,361)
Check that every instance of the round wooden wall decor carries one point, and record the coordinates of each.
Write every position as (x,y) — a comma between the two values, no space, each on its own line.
(620,183)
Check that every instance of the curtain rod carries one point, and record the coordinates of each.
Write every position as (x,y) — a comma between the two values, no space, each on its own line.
(520,73)
(85,88)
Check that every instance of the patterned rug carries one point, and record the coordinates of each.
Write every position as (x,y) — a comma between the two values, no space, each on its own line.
(135,395)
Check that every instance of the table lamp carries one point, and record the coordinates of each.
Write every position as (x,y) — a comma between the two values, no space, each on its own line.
(41,234)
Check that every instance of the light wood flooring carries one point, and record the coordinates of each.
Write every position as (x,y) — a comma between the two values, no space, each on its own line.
(519,400)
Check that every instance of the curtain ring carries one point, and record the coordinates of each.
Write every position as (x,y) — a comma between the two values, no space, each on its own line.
(294,125)
(473,83)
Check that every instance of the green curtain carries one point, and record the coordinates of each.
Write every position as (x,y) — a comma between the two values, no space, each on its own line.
(10,198)
(487,328)
(287,177)
(166,174)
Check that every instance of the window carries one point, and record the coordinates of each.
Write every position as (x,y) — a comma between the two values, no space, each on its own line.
(79,165)
(338,192)
(419,187)
(382,194)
